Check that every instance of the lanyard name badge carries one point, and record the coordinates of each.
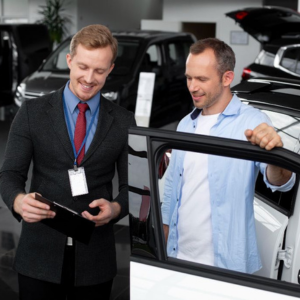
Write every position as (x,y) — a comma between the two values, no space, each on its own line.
(77,175)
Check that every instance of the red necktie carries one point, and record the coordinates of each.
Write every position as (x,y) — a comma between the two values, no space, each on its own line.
(80,130)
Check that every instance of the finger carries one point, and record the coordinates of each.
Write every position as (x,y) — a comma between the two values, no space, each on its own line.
(99,219)
(276,142)
(248,133)
(36,207)
(38,204)
(30,200)
(37,215)
(97,203)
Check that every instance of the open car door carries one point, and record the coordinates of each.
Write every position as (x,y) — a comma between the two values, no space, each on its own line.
(154,275)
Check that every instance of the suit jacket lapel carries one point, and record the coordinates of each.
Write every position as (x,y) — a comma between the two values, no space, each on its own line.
(105,121)
(57,118)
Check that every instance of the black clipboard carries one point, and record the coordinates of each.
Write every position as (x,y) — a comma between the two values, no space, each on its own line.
(68,221)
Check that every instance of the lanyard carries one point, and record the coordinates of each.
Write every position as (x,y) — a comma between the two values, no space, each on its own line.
(70,133)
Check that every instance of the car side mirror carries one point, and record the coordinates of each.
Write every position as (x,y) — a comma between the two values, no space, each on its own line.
(287,59)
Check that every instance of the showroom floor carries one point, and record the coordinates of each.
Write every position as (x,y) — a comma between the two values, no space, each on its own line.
(10,231)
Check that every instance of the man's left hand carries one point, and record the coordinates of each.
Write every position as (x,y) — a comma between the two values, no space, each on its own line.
(108,211)
(264,136)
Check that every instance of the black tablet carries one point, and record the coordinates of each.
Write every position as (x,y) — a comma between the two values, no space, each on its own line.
(68,221)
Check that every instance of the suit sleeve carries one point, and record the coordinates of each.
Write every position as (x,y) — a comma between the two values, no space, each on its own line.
(122,169)
(17,158)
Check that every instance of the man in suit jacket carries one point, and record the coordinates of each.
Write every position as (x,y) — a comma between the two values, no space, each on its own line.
(51,265)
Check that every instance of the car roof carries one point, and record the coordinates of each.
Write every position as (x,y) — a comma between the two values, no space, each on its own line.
(278,93)
(149,35)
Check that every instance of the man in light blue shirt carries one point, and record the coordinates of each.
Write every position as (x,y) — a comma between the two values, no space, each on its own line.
(226,191)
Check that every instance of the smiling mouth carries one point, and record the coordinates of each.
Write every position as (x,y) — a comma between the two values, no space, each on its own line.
(86,86)
(197,97)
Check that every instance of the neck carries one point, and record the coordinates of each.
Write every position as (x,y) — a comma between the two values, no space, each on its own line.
(219,106)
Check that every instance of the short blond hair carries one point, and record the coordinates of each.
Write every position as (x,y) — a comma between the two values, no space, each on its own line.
(93,37)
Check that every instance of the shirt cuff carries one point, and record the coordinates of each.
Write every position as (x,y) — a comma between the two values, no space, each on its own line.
(282,188)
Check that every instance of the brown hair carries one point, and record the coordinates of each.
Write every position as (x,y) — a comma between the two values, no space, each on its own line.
(224,54)
(93,37)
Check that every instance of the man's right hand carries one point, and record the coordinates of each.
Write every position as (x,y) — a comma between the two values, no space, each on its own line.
(32,210)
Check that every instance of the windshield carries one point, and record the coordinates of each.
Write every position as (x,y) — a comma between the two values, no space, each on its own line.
(127,51)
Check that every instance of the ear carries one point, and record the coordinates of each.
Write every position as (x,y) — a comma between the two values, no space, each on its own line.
(111,68)
(227,78)
(69,59)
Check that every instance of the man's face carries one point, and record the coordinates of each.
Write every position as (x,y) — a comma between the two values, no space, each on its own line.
(88,70)
(204,82)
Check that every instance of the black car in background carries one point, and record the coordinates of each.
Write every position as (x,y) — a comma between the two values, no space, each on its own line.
(23,47)
(163,53)
(278,31)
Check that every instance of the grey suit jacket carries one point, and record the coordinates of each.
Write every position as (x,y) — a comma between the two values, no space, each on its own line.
(39,133)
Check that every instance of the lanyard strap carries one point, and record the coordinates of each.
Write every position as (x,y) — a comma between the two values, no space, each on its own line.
(70,133)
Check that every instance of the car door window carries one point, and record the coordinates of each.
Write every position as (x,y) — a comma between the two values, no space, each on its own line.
(288,127)
(177,53)
(57,61)
(6,61)
(290,60)
(152,60)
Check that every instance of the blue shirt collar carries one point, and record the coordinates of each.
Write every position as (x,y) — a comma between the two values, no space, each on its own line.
(72,100)
(232,108)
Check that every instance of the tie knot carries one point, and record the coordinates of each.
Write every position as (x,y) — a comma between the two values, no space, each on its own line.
(82,107)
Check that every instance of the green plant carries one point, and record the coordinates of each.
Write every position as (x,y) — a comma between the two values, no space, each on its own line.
(55,19)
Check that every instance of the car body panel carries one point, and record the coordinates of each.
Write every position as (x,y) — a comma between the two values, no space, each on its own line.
(152,282)
(270,227)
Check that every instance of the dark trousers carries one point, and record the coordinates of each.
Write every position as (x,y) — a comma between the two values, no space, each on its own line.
(34,289)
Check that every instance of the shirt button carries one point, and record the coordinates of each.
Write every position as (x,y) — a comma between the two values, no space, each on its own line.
(174,224)
(174,249)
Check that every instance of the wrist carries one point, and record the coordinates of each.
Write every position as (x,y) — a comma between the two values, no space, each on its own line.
(116,209)
(16,204)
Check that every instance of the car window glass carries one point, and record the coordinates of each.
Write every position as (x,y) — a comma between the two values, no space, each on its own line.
(153,54)
(178,52)
(152,60)
(57,60)
(290,60)
(265,58)
(288,127)
(269,222)
(28,36)
(125,58)
(127,52)
(5,60)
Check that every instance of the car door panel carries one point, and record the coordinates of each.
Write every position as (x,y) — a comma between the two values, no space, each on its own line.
(270,228)
(150,282)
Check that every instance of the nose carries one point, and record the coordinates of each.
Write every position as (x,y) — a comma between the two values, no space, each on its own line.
(89,76)
(192,85)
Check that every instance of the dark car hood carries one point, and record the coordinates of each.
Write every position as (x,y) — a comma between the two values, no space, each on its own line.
(43,82)
(269,24)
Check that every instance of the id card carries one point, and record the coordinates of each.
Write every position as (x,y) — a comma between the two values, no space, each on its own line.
(78,182)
